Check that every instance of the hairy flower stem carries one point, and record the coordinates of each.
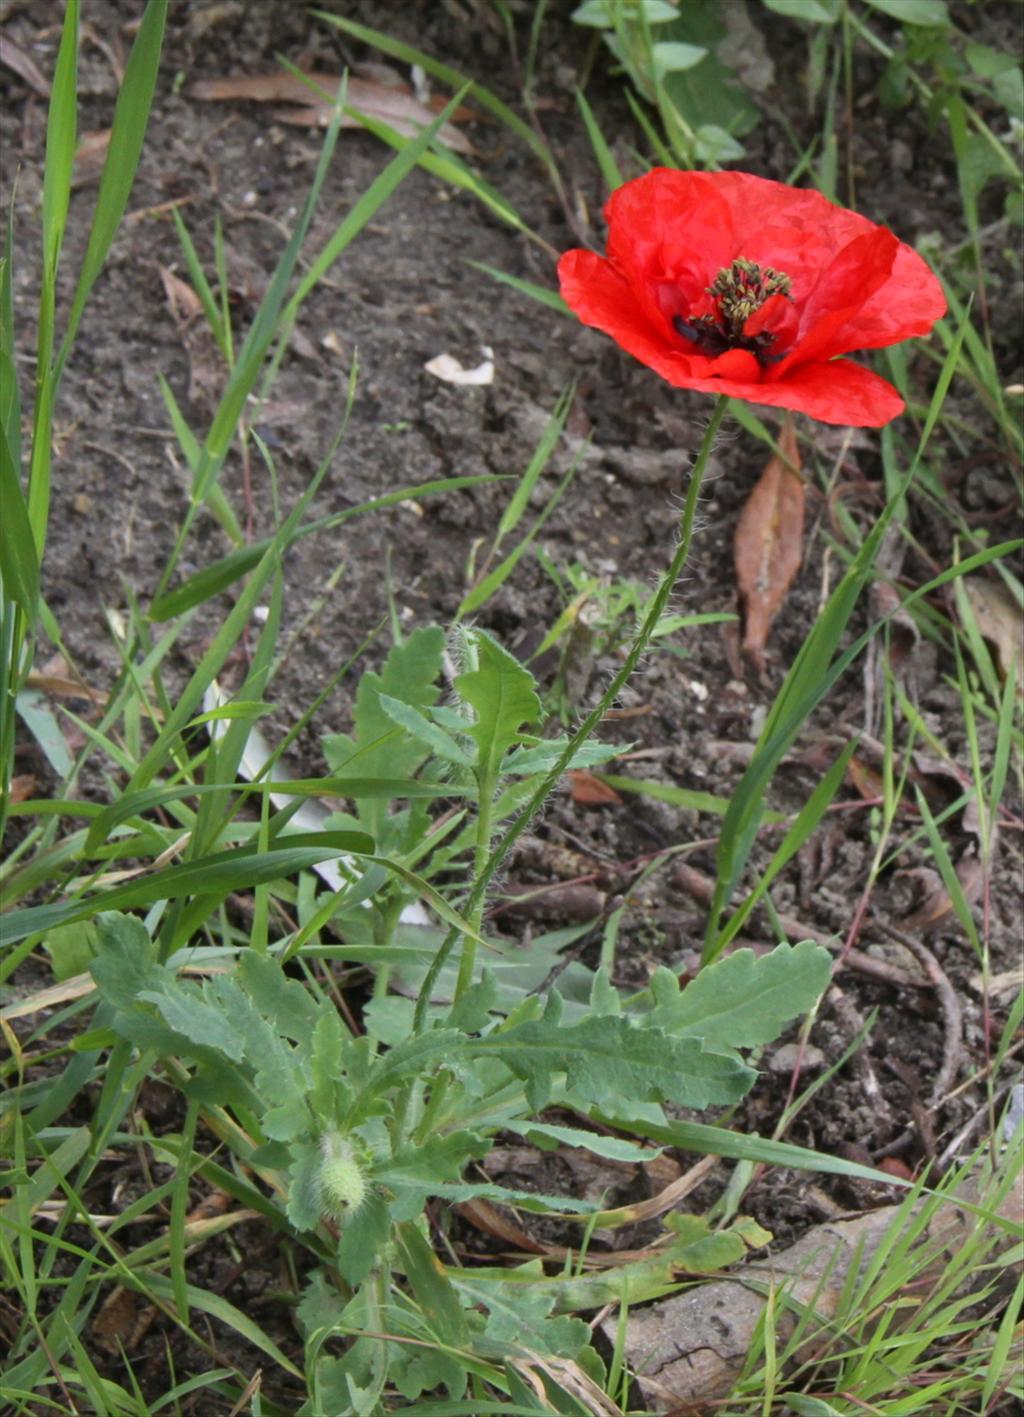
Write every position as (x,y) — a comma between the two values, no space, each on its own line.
(475,908)
(487,868)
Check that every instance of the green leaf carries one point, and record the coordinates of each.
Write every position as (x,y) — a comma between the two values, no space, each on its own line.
(431,1287)
(743,999)
(71,949)
(671,57)
(520,1318)
(600,13)
(708,95)
(615,1148)
(19,564)
(421,730)
(325,1065)
(303,1207)
(125,959)
(636,1282)
(218,1308)
(817,12)
(222,574)
(409,1200)
(127,133)
(321,1307)
(502,694)
(541,757)
(608,1059)
(187,1014)
(213,876)
(283,1001)
(414,1056)
(438,1158)
(540,293)
(365,1234)
(410,676)
(913,12)
(699,1249)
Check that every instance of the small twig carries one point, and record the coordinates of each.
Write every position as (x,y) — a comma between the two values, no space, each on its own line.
(972,1126)
(854,959)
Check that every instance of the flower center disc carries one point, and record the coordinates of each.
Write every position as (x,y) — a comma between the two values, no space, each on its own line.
(738,291)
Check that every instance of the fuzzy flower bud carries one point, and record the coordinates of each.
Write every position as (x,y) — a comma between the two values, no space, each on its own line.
(341,1181)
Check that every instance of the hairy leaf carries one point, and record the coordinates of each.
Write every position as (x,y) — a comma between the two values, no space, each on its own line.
(608,1057)
(743,999)
(409,674)
(502,694)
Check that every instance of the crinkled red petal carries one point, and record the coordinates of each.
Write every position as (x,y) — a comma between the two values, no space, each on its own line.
(853,286)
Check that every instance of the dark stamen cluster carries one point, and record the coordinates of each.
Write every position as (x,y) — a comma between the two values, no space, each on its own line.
(738,291)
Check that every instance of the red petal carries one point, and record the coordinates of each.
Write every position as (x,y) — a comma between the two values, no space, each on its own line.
(834,391)
(601,296)
(858,271)
(854,286)
(906,306)
(670,223)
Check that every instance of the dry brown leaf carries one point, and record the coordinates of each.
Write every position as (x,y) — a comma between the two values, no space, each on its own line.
(589,790)
(769,542)
(63,686)
(90,155)
(206,370)
(488,1218)
(1000,621)
(122,1320)
(14,57)
(666,1199)
(1000,986)
(208,17)
(22,787)
(395,106)
(182,301)
(936,904)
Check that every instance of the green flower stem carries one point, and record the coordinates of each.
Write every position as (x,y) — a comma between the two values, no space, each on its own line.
(487,868)
(481,863)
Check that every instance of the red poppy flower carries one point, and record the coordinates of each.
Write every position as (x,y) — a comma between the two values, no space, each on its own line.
(728,283)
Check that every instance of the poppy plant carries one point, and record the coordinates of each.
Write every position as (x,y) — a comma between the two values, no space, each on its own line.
(731,284)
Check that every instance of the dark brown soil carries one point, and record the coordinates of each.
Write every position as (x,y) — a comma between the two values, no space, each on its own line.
(403,293)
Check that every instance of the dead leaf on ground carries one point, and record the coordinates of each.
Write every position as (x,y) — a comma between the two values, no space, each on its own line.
(182,301)
(484,1216)
(936,903)
(208,17)
(22,787)
(12,56)
(206,369)
(56,678)
(590,791)
(90,156)
(1000,620)
(1001,987)
(122,1320)
(769,542)
(396,106)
